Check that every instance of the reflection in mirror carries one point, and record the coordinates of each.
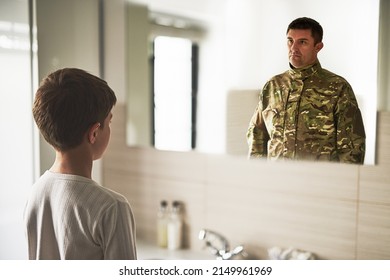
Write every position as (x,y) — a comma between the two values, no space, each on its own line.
(242,45)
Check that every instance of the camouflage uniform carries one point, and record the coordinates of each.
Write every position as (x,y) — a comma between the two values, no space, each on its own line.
(307,114)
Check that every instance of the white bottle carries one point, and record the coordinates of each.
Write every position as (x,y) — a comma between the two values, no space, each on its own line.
(175,227)
(162,224)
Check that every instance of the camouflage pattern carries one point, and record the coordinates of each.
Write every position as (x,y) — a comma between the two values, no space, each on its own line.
(307,114)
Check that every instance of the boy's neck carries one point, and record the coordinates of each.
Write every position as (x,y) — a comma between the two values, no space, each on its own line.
(73,162)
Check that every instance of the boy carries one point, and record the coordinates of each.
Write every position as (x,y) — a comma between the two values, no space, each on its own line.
(68,215)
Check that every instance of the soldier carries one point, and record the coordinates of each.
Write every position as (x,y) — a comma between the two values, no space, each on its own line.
(307,112)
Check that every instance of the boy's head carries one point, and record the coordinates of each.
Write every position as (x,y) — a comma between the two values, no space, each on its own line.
(67,103)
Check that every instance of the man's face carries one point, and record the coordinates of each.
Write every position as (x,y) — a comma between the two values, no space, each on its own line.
(302,50)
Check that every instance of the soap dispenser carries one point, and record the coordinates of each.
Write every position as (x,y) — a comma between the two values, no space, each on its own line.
(162,224)
(175,227)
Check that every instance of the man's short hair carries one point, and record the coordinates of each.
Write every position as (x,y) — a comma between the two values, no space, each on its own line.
(67,102)
(308,23)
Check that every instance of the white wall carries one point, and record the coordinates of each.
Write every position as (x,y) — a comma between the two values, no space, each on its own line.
(16,141)
(68,36)
(139,109)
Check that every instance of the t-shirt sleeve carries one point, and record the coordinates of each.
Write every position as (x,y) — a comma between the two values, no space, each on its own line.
(118,227)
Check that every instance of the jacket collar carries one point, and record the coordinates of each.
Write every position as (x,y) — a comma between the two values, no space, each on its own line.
(303,73)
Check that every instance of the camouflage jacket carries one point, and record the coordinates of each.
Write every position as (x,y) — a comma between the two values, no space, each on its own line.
(308,114)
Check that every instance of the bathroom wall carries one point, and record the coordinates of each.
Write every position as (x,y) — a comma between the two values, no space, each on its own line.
(335,211)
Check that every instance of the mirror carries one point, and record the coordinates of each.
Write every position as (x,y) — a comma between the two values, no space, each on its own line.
(241,45)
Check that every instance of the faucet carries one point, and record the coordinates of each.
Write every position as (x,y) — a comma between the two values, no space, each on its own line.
(219,245)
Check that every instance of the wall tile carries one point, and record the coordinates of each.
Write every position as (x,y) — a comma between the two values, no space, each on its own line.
(144,195)
(383,138)
(324,180)
(293,205)
(375,184)
(373,232)
(374,213)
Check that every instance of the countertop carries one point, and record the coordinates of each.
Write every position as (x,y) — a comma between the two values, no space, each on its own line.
(148,251)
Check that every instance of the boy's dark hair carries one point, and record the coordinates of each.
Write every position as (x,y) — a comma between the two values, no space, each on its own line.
(308,23)
(67,102)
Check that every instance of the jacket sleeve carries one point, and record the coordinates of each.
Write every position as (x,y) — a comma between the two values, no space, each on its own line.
(351,137)
(257,134)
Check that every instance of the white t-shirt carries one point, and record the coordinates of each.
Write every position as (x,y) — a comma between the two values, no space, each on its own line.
(73,217)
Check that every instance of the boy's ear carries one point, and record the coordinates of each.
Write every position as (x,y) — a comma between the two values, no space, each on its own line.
(93,133)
